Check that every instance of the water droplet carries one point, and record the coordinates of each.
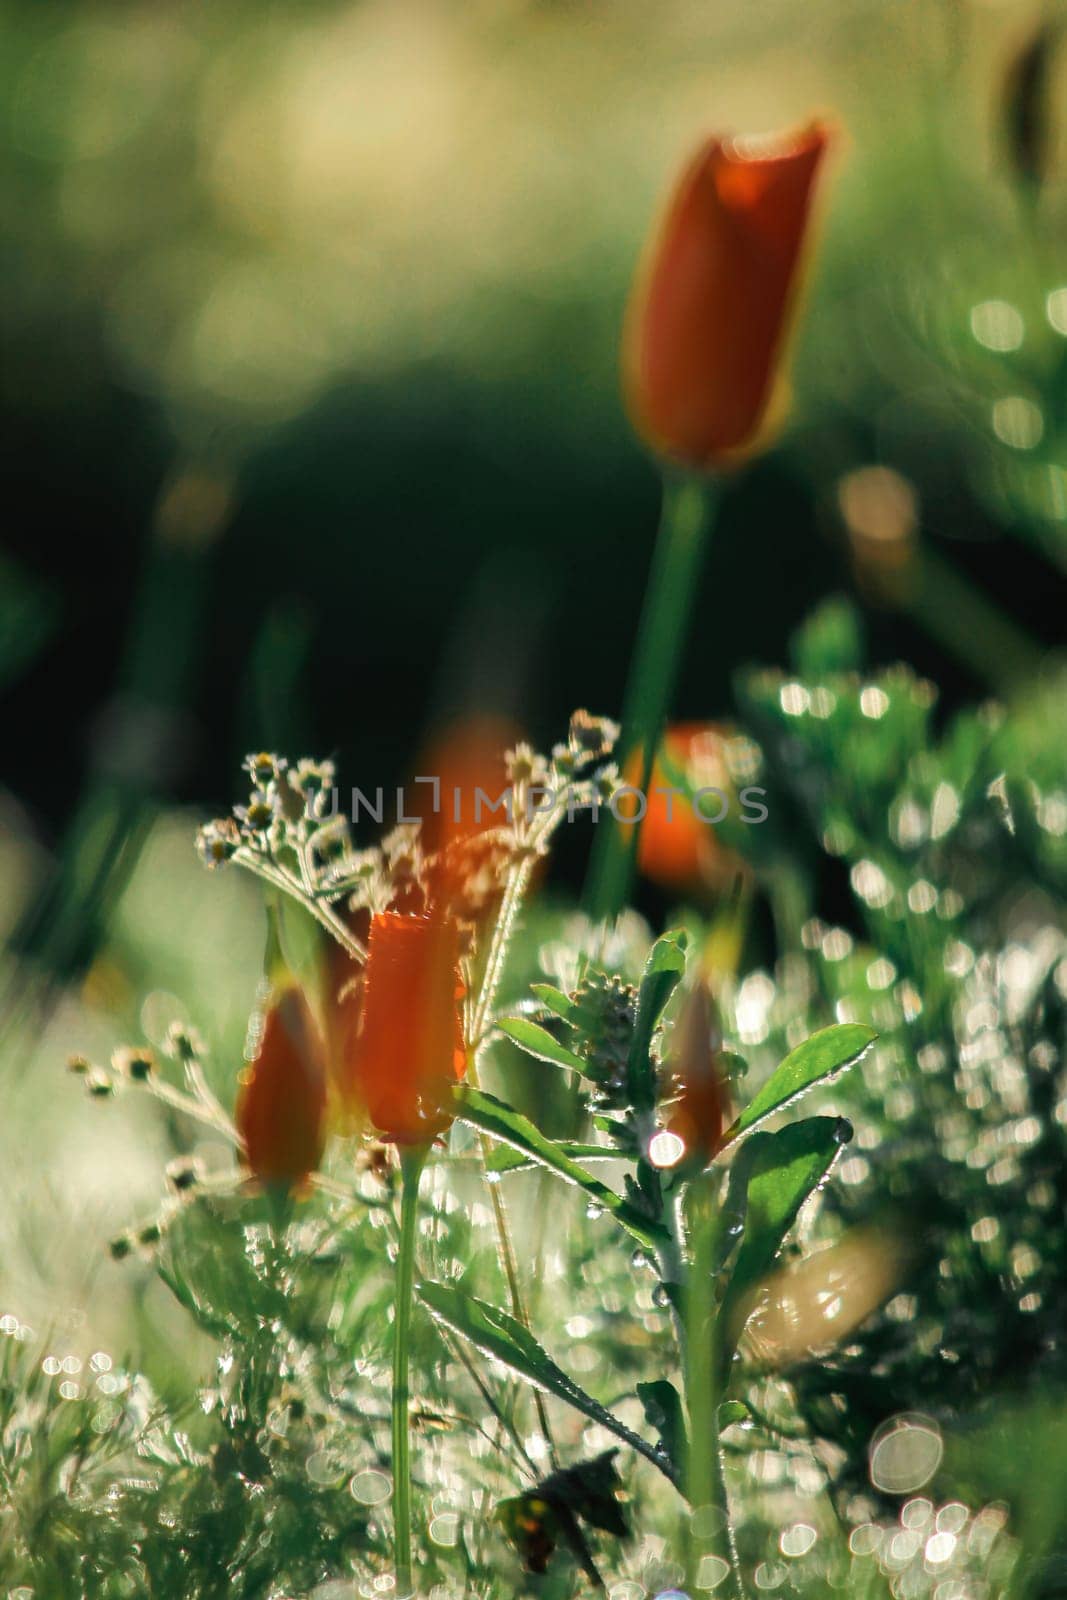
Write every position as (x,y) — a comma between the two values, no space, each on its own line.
(797,1540)
(370,1488)
(711,1572)
(665,1149)
(905,1453)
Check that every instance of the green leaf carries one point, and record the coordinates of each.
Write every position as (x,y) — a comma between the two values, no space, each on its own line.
(826,1052)
(537,1041)
(507,1159)
(663,970)
(498,1121)
(663,1410)
(495,1333)
(554,1000)
(731,1412)
(779,1170)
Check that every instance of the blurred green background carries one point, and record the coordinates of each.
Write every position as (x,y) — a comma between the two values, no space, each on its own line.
(313,440)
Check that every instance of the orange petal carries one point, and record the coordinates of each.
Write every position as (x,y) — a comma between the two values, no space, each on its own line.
(710,310)
(410,1046)
(281,1103)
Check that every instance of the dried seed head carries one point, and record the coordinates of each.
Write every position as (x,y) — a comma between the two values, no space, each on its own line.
(81,1066)
(120,1247)
(149,1235)
(99,1084)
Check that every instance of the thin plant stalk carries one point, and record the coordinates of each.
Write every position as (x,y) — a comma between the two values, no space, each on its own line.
(411,1165)
(514,893)
(684,522)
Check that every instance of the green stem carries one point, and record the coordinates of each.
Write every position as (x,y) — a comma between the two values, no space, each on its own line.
(705,1485)
(970,626)
(411,1165)
(672,583)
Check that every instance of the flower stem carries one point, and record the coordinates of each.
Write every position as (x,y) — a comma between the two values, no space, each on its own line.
(705,1486)
(684,522)
(514,892)
(411,1165)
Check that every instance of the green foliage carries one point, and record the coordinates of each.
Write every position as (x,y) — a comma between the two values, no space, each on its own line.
(774,1174)
(496,1334)
(827,1052)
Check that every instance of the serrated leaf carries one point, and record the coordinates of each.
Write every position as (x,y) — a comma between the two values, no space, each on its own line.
(663,970)
(829,1051)
(499,1121)
(496,1333)
(780,1170)
(537,1041)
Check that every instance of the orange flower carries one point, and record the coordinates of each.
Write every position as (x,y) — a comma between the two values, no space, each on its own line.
(709,312)
(697,1112)
(467,757)
(469,762)
(676,848)
(409,1050)
(281,1102)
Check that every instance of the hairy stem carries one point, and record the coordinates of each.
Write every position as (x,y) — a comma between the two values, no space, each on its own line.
(705,1485)
(279,878)
(514,892)
(411,1165)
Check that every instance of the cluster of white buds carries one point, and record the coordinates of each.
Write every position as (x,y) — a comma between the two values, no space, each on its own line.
(292,832)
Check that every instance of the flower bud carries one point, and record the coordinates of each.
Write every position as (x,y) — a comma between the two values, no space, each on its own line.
(281,1103)
(218,841)
(409,1049)
(697,1110)
(183,1174)
(182,1043)
(710,310)
(677,848)
(134,1063)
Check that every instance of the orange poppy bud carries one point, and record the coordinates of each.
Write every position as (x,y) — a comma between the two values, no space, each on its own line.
(281,1103)
(409,1051)
(473,794)
(710,309)
(697,1112)
(676,848)
(468,761)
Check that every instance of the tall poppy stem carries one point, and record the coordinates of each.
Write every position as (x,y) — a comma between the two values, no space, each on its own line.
(684,522)
(412,1161)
